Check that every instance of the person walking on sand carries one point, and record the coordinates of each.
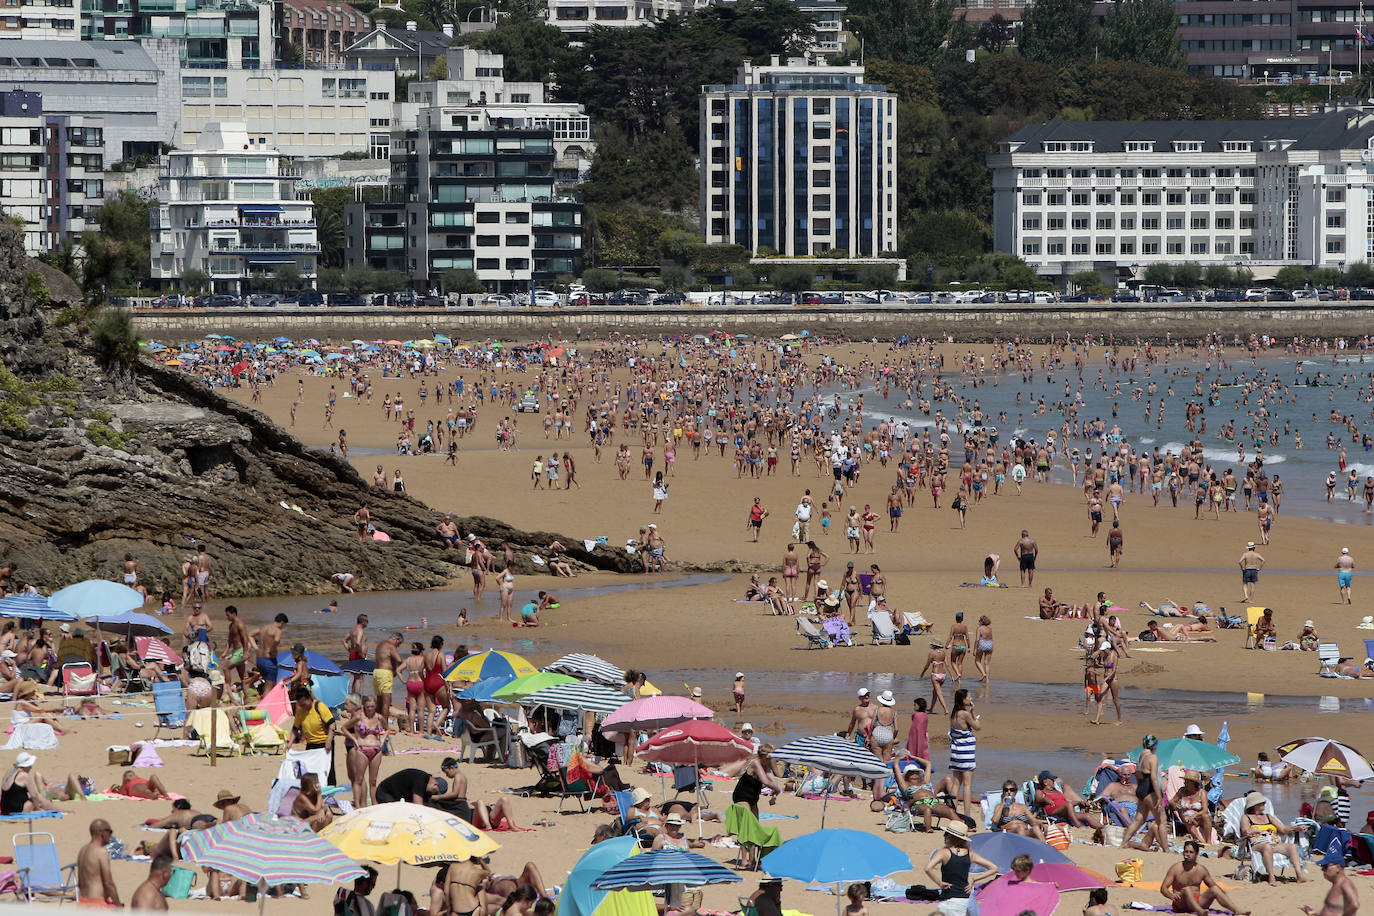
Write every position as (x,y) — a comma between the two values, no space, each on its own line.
(1148,789)
(757,513)
(1250,565)
(1345,574)
(1115,544)
(1026,551)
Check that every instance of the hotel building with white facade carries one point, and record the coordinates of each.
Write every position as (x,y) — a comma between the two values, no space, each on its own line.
(800,158)
(1117,196)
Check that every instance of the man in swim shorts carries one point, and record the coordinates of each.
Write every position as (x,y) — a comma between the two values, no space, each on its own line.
(236,662)
(268,640)
(1250,565)
(94,881)
(387,660)
(448,532)
(1345,573)
(1183,885)
(1025,551)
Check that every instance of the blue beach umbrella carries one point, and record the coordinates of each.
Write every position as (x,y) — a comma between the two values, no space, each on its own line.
(663,867)
(134,619)
(31,606)
(580,899)
(830,856)
(1000,848)
(97,598)
(482,691)
(318,664)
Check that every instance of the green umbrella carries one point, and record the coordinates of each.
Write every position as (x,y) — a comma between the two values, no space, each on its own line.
(1189,754)
(524,686)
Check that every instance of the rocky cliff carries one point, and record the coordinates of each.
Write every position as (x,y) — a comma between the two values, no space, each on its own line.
(100,456)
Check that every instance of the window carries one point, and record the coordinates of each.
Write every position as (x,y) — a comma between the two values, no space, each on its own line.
(1127,174)
(1030,222)
(1335,220)
(1054,247)
(1076,146)
(1055,224)
(1128,222)
(1199,246)
(1225,173)
(1128,198)
(1104,198)
(1174,198)
(1080,248)
(1187,146)
(1139,146)
(1055,199)
(1080,224)
(488,241)
(1198,198)
(1225,222)
(488,216)
(1247,198)
(1104,222)
(1247,247)
(1104,247)
(1149,222)
(1149,198)
(1335,195)
(1082,173)
(1335,245)
(1080,198)
(1174,222)
(1235,146)
(1199,222)
(1247,221)
(1246,172)
(1224,246)
(1032,174)
(518,241)
(1224,198)
(1127,246)
(1173,247)
(1029,247)
(1149,248)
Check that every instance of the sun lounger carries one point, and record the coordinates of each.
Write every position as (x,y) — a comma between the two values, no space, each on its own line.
(170,703)
(1328,657)
(884,633)
(815,639)
(1230,819)
(916,622)
(203,721)
(78,680)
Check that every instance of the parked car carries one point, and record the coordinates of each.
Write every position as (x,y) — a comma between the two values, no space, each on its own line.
(263,301)
(497,299)
(670,299)
(1280,295)
(1125,297)
(528,404)
(546,297)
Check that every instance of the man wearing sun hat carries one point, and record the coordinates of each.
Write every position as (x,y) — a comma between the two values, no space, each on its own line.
(1341,899)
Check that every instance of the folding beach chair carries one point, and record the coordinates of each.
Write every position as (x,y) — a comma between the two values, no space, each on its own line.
(40,875)
(258,733)
(915,622)
(815,638)
(1328,657)
(884,633)
(686,778)
(755,840)
(554,781)
(1252,641)
(1230,819)
(226,740)
(78,680)
(170,704)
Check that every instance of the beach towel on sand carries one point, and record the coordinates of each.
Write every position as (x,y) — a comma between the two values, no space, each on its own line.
(32,736)
(147,756)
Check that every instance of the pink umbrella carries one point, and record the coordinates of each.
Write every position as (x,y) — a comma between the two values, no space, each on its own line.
(695,741)
(1009,898)
(152,649)
(652,713)
(1066,877)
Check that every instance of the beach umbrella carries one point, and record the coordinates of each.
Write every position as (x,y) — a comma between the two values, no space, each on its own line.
(580,899)
(833,756)
(317,663)
(98,598)
(1008,897)
(133,619)
(491,663)
(172,362)
(224,349)
(334,356)
(152,649)
(649,714)
(31,606)
(1324,757)
(397,833)
(1066,877)
(1189,754)
(663,867)
(482,691)
(580,696)
(1001,847)
(240,367)
(268,850)
(589,668)
(696,741)
(531,683)
(835,857)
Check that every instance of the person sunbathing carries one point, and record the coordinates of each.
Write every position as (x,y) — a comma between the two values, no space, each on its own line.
(1266,770)
(1011,816)
(1357,671)
(1190,801)
(1167,608)
(1185,632)
(775,599)
(915,791)
(1060,800)
(136,786)
(309,805)
(1307,639)
(27,709)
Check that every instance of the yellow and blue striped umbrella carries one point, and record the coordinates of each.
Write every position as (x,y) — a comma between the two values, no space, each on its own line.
(491,663)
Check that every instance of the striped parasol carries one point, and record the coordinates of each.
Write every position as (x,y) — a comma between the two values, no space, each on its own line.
(31,606)
(267,850)
(1324,757)
(580,695)
(589,668)
(663,867)
(833,755)
(491,663)
(152,649)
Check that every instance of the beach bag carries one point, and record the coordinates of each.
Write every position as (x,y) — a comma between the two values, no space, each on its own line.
(1057,836)
(82,683)
(1113,834)
(898,821)
(1128,870)
(179,886)
(198,657)
(901,639)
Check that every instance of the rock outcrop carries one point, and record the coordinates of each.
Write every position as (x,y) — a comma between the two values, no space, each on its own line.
(98,459)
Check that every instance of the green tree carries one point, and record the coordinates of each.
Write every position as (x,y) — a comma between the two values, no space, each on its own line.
(1187,275)
(600,280)
(910,31)
(674,278)
(1218,276)
(195,281)
(1361,273)
(330,279)
(877,276)
(993,34)
(940,234)
(533,49)
(1143,32)
(1326,277)
(791,278)
(329,204)
(912,83)
(359,278)
(287,278)
(1159,275)
(1291,277)
(461,281)
(1059,32)
(653,170)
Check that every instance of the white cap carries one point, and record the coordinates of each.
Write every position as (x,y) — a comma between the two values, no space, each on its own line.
(1104,645)
(65,628)
(863,691)
(696,692)
(1345,550)
(9,653)
(739,674)
(747,727)
(1193,730)
(1309,623)
(652,525)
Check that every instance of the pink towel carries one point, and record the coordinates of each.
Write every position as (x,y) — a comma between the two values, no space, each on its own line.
(147,756)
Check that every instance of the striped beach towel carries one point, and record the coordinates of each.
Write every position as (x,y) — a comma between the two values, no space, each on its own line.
(963,749)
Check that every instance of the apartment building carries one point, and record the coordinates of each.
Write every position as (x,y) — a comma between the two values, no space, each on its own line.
(322,29)
(228,208)
(42,19)
(208,33)
(481,200)
(408,51)
(50,170)
(120,80)
(477,96)
(578,16)
(298,112)
(1117,196)
(800,158)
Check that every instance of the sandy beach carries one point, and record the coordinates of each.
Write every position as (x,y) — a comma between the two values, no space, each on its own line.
(1032,710)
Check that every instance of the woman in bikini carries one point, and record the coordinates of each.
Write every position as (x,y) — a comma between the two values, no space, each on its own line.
(1190,801)
(436,689)
(790,562)
(982,647)
(368,731)
(1148,784)
(914,788)
(466,889)
(957,644)
(815,562)
(935,665)
(850,584)
(507,612)
(413,670)
(1011,816)
(1107,661)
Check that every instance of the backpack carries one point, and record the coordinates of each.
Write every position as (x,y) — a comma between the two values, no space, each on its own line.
(198,658)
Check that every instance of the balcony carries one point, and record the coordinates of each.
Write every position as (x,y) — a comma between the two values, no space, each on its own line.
(300,248)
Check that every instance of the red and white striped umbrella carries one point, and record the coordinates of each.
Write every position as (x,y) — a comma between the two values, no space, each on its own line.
(695,741)
(152,649)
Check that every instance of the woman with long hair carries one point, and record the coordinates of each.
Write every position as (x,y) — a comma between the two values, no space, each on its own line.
(963,746)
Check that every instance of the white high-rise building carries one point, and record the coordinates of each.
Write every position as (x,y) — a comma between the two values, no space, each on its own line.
(800,158)
(228,208)
(51,169)
(1119,196)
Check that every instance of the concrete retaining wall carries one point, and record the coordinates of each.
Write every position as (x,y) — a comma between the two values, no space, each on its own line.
(1181,320)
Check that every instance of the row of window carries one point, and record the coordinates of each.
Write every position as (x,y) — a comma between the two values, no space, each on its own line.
(1147,198)
(1129,174)
(1109,221)
(1235,19)
(1235,44)
(1034,247)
